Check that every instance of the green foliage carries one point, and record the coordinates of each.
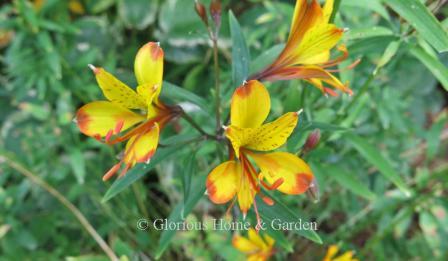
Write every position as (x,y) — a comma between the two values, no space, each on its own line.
(381,164)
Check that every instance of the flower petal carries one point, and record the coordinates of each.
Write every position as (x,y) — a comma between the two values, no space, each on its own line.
(239,137)
(99,118)
(305,17)
(244,245)
(264,138)
(296,174)
(328,10)
(331,252)
(272,135)
(222,182)
(316,43)
(255,238)
(148,68)
(246,193)
(142,146)
(250,105)
(116,91)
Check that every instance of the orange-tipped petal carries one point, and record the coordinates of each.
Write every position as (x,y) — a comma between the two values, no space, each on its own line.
(142,146)
(222,183)
(116,91)
(250,105)
(148,68)
(296,174)
(97,119)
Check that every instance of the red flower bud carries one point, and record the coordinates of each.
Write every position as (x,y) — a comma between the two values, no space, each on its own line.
(312,140)
(200,10)
(215,11)
(313,191)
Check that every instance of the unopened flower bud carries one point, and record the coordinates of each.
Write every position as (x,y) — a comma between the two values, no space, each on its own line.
(312,140)
(313,191)
(215,11)
(200,10)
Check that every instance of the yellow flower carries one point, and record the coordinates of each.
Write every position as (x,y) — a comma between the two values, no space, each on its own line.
(283,171)
(333,250)
(306,54)
(255,247)
(107,121)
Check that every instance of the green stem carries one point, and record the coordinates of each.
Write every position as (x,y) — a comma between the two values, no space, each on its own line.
(336,5)
(196,126)
(217,87)
(361,92)
(64,201)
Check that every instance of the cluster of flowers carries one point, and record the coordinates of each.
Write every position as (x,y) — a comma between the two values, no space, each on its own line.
(138,117)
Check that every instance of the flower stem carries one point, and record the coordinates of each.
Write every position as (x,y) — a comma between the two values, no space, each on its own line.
(196,126)
(64,201)
(217,87)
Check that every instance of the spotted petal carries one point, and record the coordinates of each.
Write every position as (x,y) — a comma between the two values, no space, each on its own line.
(116,91)
(267,137)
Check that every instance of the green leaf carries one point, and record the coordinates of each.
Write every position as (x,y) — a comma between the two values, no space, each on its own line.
(374,157)
(137,13)
(190,167)
(421,18)
(361,33)
(240,53)
(348,181)
(281,239)
(266,58)
(176,92)
(180,210)
(279,211)
(433,64)
(390,52)
(138,171)
(373,5)
(336,5)
(433,136)
(78,165)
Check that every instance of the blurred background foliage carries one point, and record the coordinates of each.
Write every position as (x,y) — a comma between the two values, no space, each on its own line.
(381,165)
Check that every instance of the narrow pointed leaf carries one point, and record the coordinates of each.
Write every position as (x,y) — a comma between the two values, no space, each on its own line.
(374,157)
(176,216)
(421,18)
(347,180)
(137,172)
(281,212)
(438,69)
(240,52)
(172,91)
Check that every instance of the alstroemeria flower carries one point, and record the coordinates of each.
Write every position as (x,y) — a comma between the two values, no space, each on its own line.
(306,54)
(333,250)
(256,248)
(133,116)
(283,171)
